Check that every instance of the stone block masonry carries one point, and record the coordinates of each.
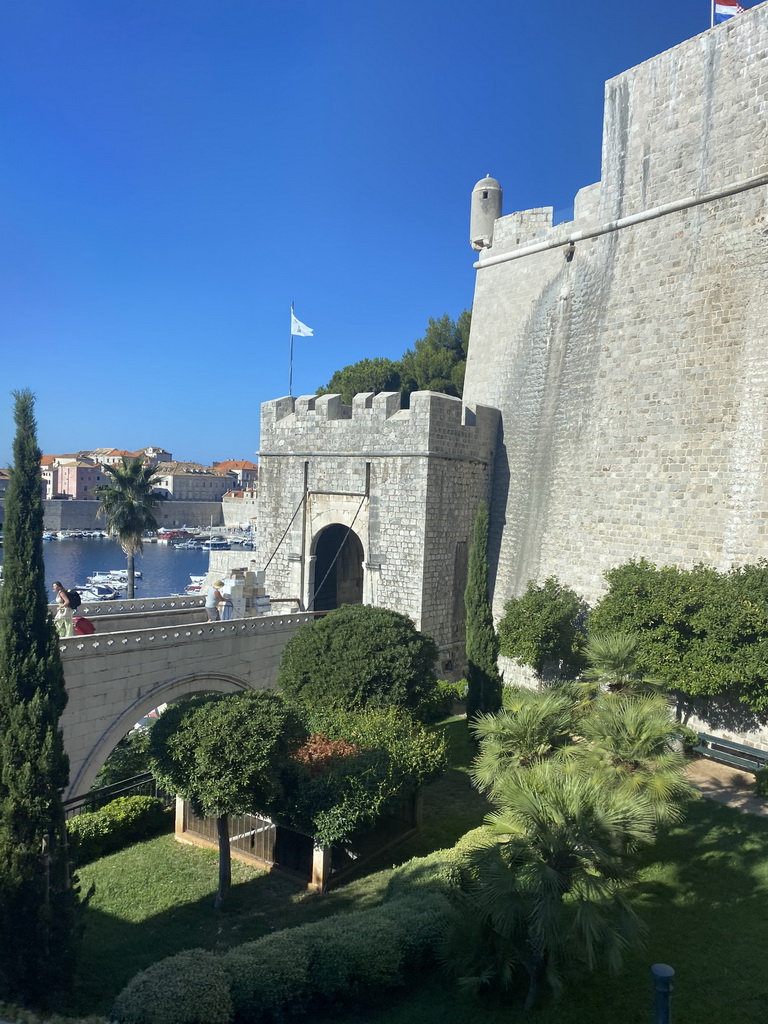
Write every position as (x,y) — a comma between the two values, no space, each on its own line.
(626,350)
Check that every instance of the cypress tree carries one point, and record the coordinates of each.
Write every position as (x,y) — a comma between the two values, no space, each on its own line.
(482,646)
(37,902)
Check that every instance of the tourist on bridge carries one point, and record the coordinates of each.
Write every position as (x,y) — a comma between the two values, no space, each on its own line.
(212,597)
(63,618)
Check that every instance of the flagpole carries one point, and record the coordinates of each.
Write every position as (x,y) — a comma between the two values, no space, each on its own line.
(290,361)
(712,17)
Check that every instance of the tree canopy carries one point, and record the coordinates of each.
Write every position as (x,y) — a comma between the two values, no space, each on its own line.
(543,626)
(353,766)
(700,631)
(482,645)
(37,901)
(435,363)
(128,503)
(224,754)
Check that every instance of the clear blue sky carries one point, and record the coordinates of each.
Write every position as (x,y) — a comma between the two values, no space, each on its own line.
(175,172)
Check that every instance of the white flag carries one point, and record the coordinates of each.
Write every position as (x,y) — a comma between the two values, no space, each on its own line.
(300,329)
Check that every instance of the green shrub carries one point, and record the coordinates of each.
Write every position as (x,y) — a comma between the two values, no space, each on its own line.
(421,920)
(761,782)
(543,626)
(189,988)
(439,703)
(689,737)
(320,966)
(358,657)
(437,872)
(121,822)
(396,755)
(14,1014)
(444,872)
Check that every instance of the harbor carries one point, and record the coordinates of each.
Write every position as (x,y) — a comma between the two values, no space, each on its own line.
(165,568)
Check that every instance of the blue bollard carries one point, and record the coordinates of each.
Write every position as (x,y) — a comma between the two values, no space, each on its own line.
(662,984)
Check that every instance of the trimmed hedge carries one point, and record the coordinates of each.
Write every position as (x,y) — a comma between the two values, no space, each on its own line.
(319,967)
(332,964)
(15,1014)
(189,988)
(126,820)
(322,966)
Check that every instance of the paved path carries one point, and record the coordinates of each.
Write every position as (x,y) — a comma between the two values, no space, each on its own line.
(727,785)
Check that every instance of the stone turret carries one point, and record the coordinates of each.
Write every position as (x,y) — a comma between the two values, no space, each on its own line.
(485,211)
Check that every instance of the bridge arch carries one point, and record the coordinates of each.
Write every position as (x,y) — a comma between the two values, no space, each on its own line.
(163,693)
(337,568)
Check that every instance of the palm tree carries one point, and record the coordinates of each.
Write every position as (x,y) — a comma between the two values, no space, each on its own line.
(530,727)
(551,890)
(128,504)
(614,664)
(630,739)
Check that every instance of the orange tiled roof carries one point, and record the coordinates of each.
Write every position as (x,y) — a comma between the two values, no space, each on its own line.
(236,464)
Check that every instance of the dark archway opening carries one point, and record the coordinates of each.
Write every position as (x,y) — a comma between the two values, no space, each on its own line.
(338,569)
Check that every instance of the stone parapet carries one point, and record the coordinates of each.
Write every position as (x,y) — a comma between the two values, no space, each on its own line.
(376,425)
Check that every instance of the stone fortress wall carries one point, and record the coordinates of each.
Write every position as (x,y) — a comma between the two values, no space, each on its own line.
(406,481)
(628,350)
(81,515)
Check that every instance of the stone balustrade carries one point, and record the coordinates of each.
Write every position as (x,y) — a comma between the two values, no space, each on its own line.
(119,640)
(117,616)
(115,678)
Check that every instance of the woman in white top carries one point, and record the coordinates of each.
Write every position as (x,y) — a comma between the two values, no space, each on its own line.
(212,597)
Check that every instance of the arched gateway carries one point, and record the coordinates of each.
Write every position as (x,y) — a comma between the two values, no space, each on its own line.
(338,568)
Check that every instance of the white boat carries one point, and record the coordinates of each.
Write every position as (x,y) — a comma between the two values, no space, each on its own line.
(102,577)
(98,592)
(195,585)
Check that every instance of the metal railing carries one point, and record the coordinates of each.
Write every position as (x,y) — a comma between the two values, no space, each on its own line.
(140,785)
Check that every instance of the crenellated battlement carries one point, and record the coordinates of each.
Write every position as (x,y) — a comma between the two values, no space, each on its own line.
(376,422)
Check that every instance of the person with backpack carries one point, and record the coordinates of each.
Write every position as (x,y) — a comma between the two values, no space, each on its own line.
(63,620)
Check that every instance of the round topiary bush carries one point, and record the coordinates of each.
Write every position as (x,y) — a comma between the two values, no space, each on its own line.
(359,657)
(189,988)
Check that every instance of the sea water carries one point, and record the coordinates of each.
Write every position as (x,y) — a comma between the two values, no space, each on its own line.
(164,569)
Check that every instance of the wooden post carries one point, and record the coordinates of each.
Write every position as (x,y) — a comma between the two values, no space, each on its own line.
(181,817)
(321,867)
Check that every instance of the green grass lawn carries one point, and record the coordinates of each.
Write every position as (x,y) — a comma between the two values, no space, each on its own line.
(703,894)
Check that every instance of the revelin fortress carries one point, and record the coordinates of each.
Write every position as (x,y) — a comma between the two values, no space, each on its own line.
(616,395)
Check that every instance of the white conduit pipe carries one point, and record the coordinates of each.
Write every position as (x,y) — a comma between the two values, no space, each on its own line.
(624,222)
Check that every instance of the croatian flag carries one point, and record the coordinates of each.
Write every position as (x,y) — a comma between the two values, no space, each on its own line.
(725,9)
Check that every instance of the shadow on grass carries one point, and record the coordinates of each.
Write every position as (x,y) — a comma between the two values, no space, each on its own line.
(156,899)
(703,894)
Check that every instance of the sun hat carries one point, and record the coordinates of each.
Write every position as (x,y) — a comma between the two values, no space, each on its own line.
(218,583)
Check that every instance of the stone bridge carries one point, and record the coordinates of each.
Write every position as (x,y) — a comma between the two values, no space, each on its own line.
(147,652)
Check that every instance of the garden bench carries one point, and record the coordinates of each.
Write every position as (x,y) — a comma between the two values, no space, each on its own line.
(729,752)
